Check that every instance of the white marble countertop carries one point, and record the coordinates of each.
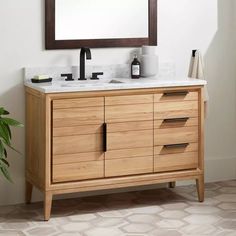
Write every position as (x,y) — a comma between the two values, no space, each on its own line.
(60,86)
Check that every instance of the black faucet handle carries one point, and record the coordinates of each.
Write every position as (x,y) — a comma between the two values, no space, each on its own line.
(69,77)
(95,75)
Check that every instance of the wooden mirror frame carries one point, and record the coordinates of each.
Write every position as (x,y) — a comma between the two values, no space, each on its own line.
(52,43)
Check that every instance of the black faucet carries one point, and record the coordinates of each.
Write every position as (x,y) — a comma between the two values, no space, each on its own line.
(82,61)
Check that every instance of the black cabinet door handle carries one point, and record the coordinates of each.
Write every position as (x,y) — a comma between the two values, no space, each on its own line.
(178,93)
(179,145)
(173,120)
(104,137)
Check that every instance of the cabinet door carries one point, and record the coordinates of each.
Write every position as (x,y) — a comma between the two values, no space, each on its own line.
(77,142)
(129,122)
(176,131)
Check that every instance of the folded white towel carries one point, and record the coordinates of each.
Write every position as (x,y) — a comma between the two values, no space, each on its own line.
(196,70)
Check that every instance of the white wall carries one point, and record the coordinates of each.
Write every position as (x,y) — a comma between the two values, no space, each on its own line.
(183,26)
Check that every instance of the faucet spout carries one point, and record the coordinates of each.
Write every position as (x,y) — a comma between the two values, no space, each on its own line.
(83,52)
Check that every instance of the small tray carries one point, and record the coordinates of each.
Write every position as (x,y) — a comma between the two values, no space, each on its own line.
(41,80)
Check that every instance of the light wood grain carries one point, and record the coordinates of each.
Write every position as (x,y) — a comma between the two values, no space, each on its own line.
(130,139)
(125,181)
(125,113)
(161,124)
(78,103)
(129,126)
(171,162)
(200,187)
(78,171)
(78,116)
(167,110)
(191,96)
(128,166)
(77,157)
(176,135)
(133,152)
(77,144)
(125,100)
(77,130)
(47,205)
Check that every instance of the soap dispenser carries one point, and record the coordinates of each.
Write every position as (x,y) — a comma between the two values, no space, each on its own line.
(135,68)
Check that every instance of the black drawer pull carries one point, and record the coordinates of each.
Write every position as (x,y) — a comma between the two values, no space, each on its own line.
(179,93)
(104,137)
(179,145)
(173,120)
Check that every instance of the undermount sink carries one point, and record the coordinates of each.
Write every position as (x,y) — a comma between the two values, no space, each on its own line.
(91,83)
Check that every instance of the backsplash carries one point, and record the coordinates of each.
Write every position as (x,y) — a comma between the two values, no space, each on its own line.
(166,70)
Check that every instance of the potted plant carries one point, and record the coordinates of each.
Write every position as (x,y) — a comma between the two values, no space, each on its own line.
(5,141)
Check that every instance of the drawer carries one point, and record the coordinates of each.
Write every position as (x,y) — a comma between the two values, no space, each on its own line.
(167,110)
(178,161)
(78,116)
(127,113)
(128,166)
(175,122)
(129,139)
(77,171)
(77,103)
(179,148)
(176,135)
(177,96)
(126,100)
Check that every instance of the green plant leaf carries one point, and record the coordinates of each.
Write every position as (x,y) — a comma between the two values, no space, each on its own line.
(3,111)
(5,162)
(12,122)
(1,149)
(9,145)
(6,173)
(4,133)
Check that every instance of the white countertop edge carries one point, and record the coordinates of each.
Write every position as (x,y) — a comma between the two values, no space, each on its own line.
(56,88)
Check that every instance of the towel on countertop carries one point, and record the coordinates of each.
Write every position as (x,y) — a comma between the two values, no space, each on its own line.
(196,70)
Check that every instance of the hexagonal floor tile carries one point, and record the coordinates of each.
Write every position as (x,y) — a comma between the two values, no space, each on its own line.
(227,206)
(226,197)
(82,217)
(199,229)
(39,231)
(175,206)
(100,231)
(228,215)
(170,224)
(201,219)
(228,224)
(11,233)
(109,222)
(202,209)
(143,218)
(146,210)
(164,232)
(173,214)
(76,227)
(137,228)
(117,213)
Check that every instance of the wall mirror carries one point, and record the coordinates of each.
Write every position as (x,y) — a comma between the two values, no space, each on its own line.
(100,23)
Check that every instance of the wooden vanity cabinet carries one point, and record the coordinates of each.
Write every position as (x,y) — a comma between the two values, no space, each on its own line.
(85,141)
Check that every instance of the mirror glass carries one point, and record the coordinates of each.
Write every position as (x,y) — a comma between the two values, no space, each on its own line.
(101,19)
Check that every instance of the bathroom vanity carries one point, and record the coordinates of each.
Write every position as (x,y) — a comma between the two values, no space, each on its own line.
(90,138)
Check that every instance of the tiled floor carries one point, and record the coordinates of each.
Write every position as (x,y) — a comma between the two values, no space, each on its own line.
(153,213)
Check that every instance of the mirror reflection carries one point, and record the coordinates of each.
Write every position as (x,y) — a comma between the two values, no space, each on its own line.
(101,19)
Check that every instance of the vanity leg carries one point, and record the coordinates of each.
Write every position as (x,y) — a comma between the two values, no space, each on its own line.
(200,188)
(47,205)
(28,192)
(172,184)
